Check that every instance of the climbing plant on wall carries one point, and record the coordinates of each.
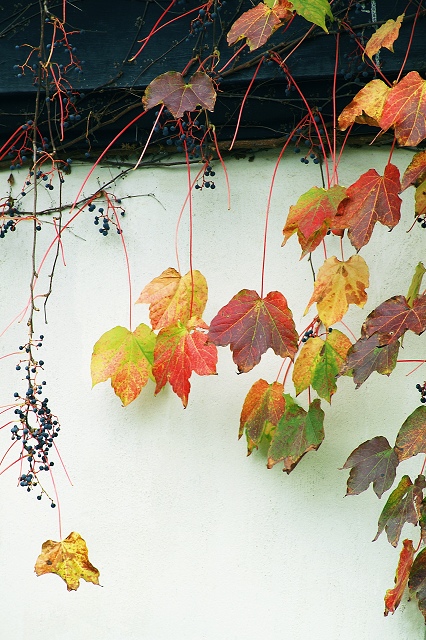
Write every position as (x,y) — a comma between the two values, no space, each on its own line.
(180,106)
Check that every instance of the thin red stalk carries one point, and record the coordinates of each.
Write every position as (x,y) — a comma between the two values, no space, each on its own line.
(231,59)
(243,102)
(228,188)
(279,372)
(299,43)
(6,144)
(421,471)
(61,246)
(58,504)
(335,176)
(60,102)
(325,249)
(341,248)
(348,132)
(410,41)
(349,331)
(149,137)
(151,33)
(12,463)
(63,464)
(126,256)
(188,168)
(181,214)
(391,149)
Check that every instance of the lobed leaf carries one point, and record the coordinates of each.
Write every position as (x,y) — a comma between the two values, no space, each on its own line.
(405,110)
(251,325)
(405,563)
(297,433)
(394,317)
(366,107)
(417,580)
(174,298)
(385,36)
(263,407)
(374,461)
(415,173)
(126,358)
(178,96)
(411,438)
(314,11)
(69,559)
(258,24)
(366,356)
(403,505)
(338,285)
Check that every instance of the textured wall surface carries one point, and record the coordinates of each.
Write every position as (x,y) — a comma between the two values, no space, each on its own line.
(194,540)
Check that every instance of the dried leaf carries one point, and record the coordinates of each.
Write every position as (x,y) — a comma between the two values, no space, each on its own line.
(180,350)
(126,358)
(313,11)
(251,325)
(372,198)
(259,23)
(367,105)
(403,505)
(405,563)
(385,36)
(417,580)
(68,559)
(411,438)
(174,298)
(415,173)
(297,433)
(374,461)
(319,362)
(178,96)
(263,407)
(313,215)
(405,109)
(394,317)
(366,356)
(338,285)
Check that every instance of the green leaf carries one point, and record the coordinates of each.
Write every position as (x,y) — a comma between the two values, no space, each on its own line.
(374,461)
(416,283)
(297,433)
(314,11)
(126,358)
(411,438)
(403,505)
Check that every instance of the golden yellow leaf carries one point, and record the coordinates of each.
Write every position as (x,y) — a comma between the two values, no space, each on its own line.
(68,559)
(385,36)
(338,285)
(367,105)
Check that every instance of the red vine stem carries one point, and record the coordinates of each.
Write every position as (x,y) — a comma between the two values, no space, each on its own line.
(181,214)
(149,137)
(410,41)
(244,100)
(223,166)
(188,169)
(126,256)
(152,32)
(335,176)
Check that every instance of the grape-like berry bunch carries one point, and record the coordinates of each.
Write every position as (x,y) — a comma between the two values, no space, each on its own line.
(107,216)
(421,388)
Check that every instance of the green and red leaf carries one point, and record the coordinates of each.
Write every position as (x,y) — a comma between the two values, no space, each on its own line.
(417,580)
(251,325)
(372,198)
(403,505)
(297,433)
(174,298)
(126,357)
(405,563)
(415,173)
(179,96)
(181,349)
(411,438)
(374,461)
(394,317)
(366,356)
(263,407)
(385,36)
(258,24)
(338,285)
(405,110)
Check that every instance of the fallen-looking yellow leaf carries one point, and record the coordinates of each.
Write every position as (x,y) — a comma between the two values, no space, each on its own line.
(68,559)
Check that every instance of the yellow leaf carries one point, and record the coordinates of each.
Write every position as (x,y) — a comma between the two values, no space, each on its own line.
(68,559)
(385,36)
(338,285)
(367,105)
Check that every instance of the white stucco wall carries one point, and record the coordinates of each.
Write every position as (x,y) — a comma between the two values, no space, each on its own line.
(194,540)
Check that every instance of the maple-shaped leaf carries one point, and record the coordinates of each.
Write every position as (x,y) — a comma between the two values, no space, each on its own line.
(420,199)
(258,24)
(405,110)
(374,461)
(367,105)
(174,298)
(394,317)
(312,216)
(405,563)
(417,580)
(403,505)
(372,198)
(319,363)
(181,349)
(366,356)
(251,325)
(126,357)
(179,96)
(297,433)
(385,36)
(415,173)
(411,438)
(338,285)
(314,11)
(68,559)
(263,407)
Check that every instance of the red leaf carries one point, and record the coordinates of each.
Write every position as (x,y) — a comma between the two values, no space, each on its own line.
(258,24)
(372,198)
(411,438)
(171,90)
(178,352)
(405,109)
(251,325)
(405,563)
(394,317)
(415,173)
(417,580)
(366,356)
(373,461)
(263,407)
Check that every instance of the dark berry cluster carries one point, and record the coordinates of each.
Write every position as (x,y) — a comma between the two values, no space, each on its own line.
(107,218)
(422,221)
(205,18)
(307,335)
(183,135)
(206,178)
(421,388)
(307,138)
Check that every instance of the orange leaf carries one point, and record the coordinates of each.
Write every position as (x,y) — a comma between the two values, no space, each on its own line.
(179,351)
(405,109)
(68,559)
(372,198)
(385,36)
(367,105)
(258,24)
(171,297)
(393,596)
(178,96)
(338,285)
(420,199)
(415,173)
(263,407)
